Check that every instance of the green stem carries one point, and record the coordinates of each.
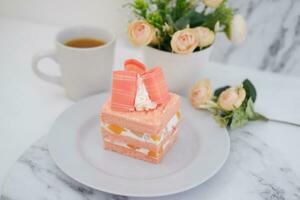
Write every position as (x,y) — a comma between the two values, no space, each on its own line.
(284,122)
(204,9)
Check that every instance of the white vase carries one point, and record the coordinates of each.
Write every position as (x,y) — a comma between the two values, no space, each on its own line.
(180,71)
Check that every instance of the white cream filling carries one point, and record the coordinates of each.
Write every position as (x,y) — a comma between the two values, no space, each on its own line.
(141,150)
(166,144)
(142,99)
(146,138)
(172,123)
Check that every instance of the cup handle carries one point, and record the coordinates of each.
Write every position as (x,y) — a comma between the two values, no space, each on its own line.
(35,62)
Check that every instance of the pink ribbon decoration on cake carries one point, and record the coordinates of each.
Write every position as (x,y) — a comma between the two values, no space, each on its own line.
(156,85)
(123,90)
(124,86)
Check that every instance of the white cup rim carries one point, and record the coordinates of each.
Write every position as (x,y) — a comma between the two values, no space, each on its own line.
(78,27)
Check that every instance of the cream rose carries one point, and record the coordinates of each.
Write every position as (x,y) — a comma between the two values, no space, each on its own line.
(237,29)
(200,93)
(184,41)
(141,33)
(212,3)
(205,36)
(232,98)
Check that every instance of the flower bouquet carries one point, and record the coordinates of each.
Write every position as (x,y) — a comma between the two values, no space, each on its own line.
(177,35)
(183,26)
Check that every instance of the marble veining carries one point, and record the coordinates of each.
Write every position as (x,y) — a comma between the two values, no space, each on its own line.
(268,171)
(253,170)
(273,41)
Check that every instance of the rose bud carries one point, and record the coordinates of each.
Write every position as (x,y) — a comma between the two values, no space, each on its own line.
(232,98)
(237,29)
(200,93)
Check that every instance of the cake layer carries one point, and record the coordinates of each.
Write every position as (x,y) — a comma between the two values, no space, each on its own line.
(141,154)
(143,137)
(149,122)
(137,143)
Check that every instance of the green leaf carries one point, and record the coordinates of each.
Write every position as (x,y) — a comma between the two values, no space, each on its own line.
(181,8)
(196,19)
(223,122)
(250,89)
(163,8)
(182,22)
(220,90)
(223,14)
(192,18)
(140,7)
(239,118)
(155,19)
(252,115)
(250,109)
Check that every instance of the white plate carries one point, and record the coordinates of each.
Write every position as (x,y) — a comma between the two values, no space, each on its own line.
(76,146)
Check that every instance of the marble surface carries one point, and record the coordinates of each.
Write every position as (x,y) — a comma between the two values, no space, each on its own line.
(254,170)
(273,41)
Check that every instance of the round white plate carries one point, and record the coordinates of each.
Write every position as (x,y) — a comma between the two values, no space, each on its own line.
(76,146)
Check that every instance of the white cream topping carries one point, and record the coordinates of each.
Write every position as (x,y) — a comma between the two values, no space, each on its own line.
(142,100)
(146,138)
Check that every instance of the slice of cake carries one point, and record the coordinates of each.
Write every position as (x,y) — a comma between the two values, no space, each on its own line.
(141,118)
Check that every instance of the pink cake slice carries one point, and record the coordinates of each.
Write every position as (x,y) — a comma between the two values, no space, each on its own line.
(145,135)
(153,157)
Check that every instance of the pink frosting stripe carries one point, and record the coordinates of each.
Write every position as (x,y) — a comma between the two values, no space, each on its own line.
(123,90)
(156,85)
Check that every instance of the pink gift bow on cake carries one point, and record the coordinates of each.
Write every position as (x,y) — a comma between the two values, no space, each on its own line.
(124,86)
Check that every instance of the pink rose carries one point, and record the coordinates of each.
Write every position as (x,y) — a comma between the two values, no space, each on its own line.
(200,93)
(232,98)
(205,36)
(141,33)
(184,41)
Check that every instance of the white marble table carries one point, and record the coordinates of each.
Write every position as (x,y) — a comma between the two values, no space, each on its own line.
(264,162)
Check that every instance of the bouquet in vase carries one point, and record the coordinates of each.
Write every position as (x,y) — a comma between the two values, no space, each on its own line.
(183,26)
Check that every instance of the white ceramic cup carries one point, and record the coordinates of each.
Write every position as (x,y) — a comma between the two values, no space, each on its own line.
(84,71)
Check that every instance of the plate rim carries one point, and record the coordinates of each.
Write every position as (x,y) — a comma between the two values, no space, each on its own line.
(131,194)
